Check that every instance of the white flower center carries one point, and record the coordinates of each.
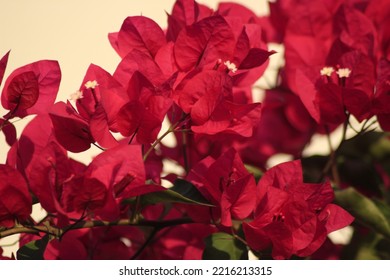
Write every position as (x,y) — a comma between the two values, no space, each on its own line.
(327,71)
(91,84)
(231,66)
(76,95)
(343,72)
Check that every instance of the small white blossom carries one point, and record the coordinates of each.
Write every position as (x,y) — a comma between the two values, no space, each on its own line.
(91,84)
(76,95)
(327,71)
(343,72)
(231,66)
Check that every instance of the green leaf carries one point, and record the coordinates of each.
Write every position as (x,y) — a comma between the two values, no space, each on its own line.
(385,208)
(169,196)
(361,145)
(383,249)
(181,192)
(364,210)
(33,250)
(223,246)
(188,190)
(257,172)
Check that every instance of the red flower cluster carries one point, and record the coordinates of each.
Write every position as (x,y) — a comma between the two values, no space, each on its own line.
(197,75)
(295,217)
(336,57)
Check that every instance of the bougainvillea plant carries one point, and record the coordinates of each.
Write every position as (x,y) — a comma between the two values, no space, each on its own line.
(197,77)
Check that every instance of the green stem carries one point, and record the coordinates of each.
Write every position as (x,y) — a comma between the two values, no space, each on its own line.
(330,165)
(146,243)
(57,232)
(158,141)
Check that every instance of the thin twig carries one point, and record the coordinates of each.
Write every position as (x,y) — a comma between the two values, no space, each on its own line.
(57,232)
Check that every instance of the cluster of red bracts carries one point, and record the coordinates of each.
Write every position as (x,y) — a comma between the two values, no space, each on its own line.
(198,75)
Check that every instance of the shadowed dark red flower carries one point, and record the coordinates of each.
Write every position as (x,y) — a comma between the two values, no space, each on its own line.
(185,13)
(9,131)
(70,129)
(112,166)
(47,173)
(31,89)
(183,242)
(382,96)
(203,43)
(115,243)
(292,216)
(207,97)
(33,139)
(15,200)
(227,184)
(144,113)
(98,101)
(68,248)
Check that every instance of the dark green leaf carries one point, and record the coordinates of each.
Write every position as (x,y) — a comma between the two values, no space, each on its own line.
(188,190)
(383,249)
(313,168)
(364,210)
(360,145)
(181,192)
(257,172)
(169,196)
(385,208)
(33,250)
(223,246)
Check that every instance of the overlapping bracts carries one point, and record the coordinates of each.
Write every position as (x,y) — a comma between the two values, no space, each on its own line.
(197,76)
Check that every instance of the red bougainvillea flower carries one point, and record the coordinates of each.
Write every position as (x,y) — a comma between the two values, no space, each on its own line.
(31,89)
(138,32)
(212,39)
(203,43)
(147,66)
(70,129)
(382,95)
(3,66)
(112,176)
(145,111)
(9,131)
(183,242)
(98,101)
(333,93)
(185,13)
(227,184)
(207,97)
(250,53)
(117,164)
(47,173)
(15,200)
(319,37)
(115,243)
(68,248)
(34,139)
(379,13)
(292,216)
